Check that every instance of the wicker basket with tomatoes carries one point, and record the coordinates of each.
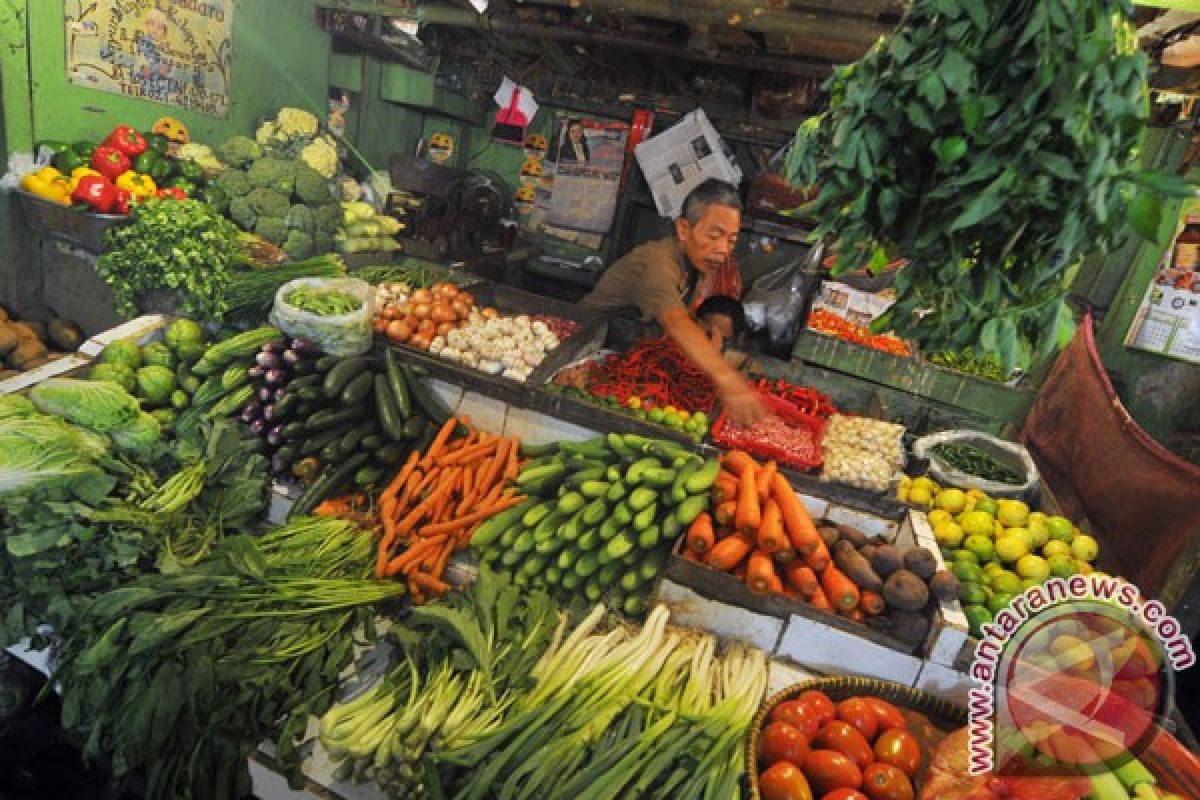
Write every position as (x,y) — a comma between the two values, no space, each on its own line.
(846,739)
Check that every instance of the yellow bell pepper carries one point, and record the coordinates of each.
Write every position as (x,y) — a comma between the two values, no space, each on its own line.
(55,190)
(48,173)
(80,172)
(139,185)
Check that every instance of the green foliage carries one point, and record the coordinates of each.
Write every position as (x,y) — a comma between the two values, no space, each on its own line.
(994,145)
(268,203)
(241,212)
(273,173)
(141,437)
(183,246)
(300,218)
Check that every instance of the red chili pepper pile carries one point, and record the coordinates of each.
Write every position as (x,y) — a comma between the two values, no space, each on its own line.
(795,445)
(562,328)
(656,370)
(827,322)
(802,398)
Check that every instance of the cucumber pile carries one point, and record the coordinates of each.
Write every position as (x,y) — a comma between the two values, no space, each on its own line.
(222,372)
(601,518)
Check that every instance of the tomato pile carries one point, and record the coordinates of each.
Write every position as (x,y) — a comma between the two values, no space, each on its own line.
(858,749)
(824,321)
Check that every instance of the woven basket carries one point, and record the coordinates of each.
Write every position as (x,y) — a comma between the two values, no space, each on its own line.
(80,228)
(940,712)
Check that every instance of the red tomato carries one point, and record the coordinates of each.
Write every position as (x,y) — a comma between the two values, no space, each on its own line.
(858,712)
(782,741)
(799,716)
(900,749)
(828,770)
(888,715)
(784,781)
(885,782)
(844,794)
(820,704)
(845,738)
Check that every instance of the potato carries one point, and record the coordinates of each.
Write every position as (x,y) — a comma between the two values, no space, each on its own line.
(25,331)
(886,560)
(856,567)
(944,586)
(27,351)
(920,562)
(905,591)
(908,626)
(829,534)
(64,334)
(8,339)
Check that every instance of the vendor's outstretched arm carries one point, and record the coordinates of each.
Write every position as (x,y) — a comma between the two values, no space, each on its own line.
(737,397)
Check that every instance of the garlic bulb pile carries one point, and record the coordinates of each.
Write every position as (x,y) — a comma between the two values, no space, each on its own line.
(507,346)
(862,452)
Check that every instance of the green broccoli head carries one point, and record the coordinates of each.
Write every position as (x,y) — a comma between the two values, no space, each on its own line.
(238,151)
(273,229)
(298,245)
(268,203)
(242,213)
(326,218)
(274,173)
(300,218)
(234,182)
(322,243)
(311,187)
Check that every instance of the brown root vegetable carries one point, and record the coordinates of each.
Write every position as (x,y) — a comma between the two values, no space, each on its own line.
(907,626)
(920,562)
(944,586)
(5,374)
(28,351)
(829,535)
(8,339)
(857,568)
(886,559)
(853,534)
(25,331)
(37,313)
(905,591)
(64,334)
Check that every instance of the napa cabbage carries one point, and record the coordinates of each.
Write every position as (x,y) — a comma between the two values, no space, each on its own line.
(101,406)
(44,452)
(141,437)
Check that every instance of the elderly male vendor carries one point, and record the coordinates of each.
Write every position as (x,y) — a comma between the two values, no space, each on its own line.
(656,281)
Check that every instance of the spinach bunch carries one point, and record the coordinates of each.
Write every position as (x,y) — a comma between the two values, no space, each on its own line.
(993,144)
(184,246)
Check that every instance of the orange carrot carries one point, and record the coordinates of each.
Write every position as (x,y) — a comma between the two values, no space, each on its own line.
(467,454)
(855,613)
(737,460)
(726,512)
(818,557)
(439,442)
(770,532)
(760,572)
(872,602)
(796,521)
(725,488)
(803,579)
(776,585)
(841,591)
(729,552)
(819,600)
(785,556)
(763,480)
(700,537)
(429,583)
(749,515)
(488,510)
(513,468)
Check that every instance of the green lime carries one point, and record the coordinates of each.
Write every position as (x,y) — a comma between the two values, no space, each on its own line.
(972,594)
(967,572)
(1005,582)
(963,554)
(999,601)
(672,419)
(977,617)
(656,415)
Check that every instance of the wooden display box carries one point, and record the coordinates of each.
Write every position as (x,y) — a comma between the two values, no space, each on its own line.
(915,376)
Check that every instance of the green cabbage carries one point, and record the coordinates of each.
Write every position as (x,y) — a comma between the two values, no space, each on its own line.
(121,374)
(14,405)
(155,384)
(122,352)
(158,354)
(100,406)
(141,437)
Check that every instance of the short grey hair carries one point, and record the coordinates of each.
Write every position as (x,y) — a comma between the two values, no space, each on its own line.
(711,192)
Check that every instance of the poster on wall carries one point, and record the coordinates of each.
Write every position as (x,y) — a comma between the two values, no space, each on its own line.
(587,178)
(174,52)
(1168,321)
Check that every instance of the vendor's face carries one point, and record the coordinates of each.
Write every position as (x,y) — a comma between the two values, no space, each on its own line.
(718,327)
(709,242)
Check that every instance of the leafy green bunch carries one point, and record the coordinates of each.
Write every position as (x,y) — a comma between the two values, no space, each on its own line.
(180,245)
(993,144)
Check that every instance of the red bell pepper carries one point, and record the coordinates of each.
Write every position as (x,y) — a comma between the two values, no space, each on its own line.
(172,193)
(124,202)
(110,162)
(97,192)
(127,140)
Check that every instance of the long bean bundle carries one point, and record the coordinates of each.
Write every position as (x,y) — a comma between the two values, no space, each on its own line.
(183,674)
(251,292)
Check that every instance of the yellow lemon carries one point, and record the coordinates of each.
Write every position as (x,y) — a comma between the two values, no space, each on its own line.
(1085,548)
(951,500)
(977,523)
(949,534)
(1029,583)
(1038,530)
(1056,548)
(1084,568)
(997,529)
(1021,533)
(986,505)
(919,496)
(981,546)
(976,494)
(1011,548)
(1005,582)
(1060,528)
(902,494)
(1061,566)
(938,516)
(925,483)
(1033,567)
(1012,513)
(905,481)
(1035,517)
(992,567)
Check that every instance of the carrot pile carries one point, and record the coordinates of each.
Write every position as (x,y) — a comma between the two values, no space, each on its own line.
(761,532)
(437,500)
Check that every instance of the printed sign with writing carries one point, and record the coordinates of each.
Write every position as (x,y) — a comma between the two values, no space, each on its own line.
(175,52)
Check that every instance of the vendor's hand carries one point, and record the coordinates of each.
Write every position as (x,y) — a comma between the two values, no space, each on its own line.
(742,403)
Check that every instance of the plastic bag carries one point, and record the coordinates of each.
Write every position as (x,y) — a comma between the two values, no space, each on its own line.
(341,335)
(21,164)
(777,300)
(1010,454)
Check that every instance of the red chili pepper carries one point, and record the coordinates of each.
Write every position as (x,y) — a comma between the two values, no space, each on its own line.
(110,162)
(127,140)
(171,193)
(97,192)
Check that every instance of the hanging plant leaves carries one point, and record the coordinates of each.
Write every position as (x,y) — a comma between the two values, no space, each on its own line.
(1000,140)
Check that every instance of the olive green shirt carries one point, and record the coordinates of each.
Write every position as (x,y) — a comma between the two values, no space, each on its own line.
(651,278)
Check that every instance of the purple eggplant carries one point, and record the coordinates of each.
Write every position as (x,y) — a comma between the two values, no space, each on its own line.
(269,412)
(279,465)
(251,412)
(269,361)
(305,348)
(256,372)
(278,394)
(291,358)
(275,436)
(264,395)
(273,347)
(258,426)
(275,377)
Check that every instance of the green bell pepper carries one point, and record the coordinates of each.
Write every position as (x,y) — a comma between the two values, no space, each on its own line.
(84,150)
(192,171)
(180,182)
(157,143)
(152,164)
(66,161)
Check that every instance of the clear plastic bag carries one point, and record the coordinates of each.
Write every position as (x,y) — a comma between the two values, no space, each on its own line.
(777,300)
(340,335)
(21,164)
(1010,454)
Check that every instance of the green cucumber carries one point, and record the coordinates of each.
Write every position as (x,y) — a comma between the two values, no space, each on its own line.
(679,491)
(413,427)
(634,605)
(566,559)
(622,514)
(619,547)
(535,515)
(641,497)
(616,443)
(385,409)
(571,502)
(587,564)
(704,478)
(593,489)
(577,479)
(342,373)
(396,383)
(508,536)
(357,389)
(388,454)
(588,540)
(616,490)
(533,565)
(549,526)
(638,469)
(326,485)
(349,442)
(608,573)
(649,537)
(487,533)
(315,443)
(524,542)
(549,546)
(366,476)
(671,527)
(431,405)
(592,448)
(652,565)
(612,474)
(592,590)
(373,441)
(332,417)
(689,509)
(326,363)
(541,480)
(510,557)
(595,512)
(552,575)
(572,529)
(658,476)
(570,580)
(538,450)
(630,581)
(610,528)
(645,518)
